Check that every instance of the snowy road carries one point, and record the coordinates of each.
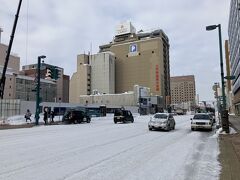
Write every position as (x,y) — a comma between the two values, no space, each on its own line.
(108,151)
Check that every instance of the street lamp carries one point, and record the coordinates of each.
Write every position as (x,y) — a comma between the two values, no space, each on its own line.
(38,89)
(224,112)
(139,99)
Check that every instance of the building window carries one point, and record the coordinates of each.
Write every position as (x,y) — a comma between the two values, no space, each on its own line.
(10,79)
(10,87)
(9,94)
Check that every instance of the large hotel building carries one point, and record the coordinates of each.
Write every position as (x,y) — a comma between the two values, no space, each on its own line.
(141,58)
(234,44)
(130,59)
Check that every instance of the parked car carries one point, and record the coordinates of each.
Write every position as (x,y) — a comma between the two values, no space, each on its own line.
(201,121)
(163,121)
(123,116)
(76,116)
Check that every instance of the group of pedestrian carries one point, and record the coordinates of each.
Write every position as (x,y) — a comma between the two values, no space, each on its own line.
(46,115)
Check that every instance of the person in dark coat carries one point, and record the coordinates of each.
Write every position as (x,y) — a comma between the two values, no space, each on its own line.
(45,116)
(52,116)
(28,115)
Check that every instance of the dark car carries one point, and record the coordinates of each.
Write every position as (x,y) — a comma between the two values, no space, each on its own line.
(76,116)
(123,116)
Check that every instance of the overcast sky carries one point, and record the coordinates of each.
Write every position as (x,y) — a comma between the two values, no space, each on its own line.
(62,29)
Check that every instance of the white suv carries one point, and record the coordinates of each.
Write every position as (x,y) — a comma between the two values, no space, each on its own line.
(201,121)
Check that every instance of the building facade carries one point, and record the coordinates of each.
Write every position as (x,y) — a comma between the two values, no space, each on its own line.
(12,70)
(234,44)
(103,72)
(141,58)
(25,87)
(80,83)
(62,85)
(95,73)
(183,89)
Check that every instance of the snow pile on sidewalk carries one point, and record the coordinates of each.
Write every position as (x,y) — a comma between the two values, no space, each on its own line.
(221,131)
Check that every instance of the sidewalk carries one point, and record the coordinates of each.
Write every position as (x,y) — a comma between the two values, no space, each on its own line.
(230,152)
(27,125)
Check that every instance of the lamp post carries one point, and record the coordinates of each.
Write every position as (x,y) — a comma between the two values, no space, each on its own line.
(38,89)
(139,99)
(224,112)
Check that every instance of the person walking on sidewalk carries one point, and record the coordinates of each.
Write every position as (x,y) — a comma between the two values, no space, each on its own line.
(28,115)
(51,117)
(45,116)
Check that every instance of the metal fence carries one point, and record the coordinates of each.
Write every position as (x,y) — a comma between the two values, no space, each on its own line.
(9,107)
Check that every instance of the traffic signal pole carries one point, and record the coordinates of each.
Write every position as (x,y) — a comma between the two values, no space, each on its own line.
(37,112)
(38,92)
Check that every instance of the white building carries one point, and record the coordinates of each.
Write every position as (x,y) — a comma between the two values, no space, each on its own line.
(103,72)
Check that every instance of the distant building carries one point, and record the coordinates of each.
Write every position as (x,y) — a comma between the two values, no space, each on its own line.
(25,87)
(141,58)
(183,89)
(62,83)
(12,71)
(21,84)
(234,44)
(94,73)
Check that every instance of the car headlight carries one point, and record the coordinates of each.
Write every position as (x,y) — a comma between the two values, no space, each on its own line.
(164,122)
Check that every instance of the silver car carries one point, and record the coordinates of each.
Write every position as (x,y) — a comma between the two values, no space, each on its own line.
(163,121)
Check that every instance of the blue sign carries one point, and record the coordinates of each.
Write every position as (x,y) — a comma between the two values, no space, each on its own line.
(133,48)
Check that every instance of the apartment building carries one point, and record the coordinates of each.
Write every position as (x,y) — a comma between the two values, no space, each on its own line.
(183,89)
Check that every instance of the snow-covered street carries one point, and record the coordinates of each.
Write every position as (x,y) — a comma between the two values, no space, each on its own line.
(107,151)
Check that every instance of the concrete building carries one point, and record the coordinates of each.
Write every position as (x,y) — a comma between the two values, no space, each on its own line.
(228,84)
(234,44)
(141,58)
(103,72)
(62,83)
(95,73)
(12,70)
(183,89)
(19,84)
(80,83)
(148,104)
(25,86)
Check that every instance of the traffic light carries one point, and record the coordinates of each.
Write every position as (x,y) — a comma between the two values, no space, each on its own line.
(57,74)
(53,73)
(50,73)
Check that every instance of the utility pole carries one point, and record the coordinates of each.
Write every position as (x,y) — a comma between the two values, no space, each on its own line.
(3,79)
(38,90)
